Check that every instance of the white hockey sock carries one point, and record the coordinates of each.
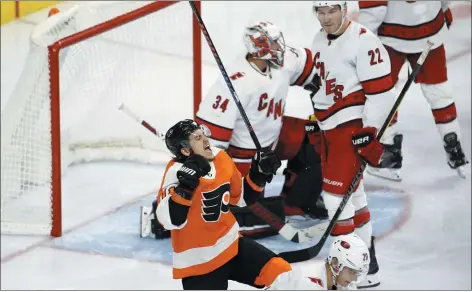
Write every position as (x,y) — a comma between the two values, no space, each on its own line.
(365,232)
(451,127)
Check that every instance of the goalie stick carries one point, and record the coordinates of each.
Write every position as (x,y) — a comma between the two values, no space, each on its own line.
(288,231)
(313,251)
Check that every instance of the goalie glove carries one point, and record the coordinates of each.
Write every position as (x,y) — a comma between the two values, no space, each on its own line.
(367,145)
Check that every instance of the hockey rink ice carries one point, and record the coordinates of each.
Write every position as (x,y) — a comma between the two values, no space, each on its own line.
(423,223)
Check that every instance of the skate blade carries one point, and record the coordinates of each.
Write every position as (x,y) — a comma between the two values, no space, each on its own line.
(461,172)
(384,173)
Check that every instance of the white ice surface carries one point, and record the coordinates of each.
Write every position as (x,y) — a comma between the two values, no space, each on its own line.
(431,251)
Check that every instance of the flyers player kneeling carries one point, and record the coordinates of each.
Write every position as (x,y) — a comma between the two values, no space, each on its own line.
(198,186)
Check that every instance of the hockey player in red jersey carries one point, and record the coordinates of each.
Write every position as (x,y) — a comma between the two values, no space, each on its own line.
(404,33)
(197,188)
(354,99)
(261,78)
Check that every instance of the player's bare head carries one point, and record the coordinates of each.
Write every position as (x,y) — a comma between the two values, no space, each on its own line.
(187,137)
(348,259)
(331,14)
(264,40)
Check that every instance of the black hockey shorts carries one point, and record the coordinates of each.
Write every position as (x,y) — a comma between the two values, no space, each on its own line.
(244,268)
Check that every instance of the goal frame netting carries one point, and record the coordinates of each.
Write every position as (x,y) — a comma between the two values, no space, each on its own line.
(55,99)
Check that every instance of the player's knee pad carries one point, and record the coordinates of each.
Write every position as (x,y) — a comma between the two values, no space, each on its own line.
(271,271)
(359,198)
(252,226)
(359,201)
(345,223)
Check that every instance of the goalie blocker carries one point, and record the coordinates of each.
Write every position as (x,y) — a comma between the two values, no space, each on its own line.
(250,225)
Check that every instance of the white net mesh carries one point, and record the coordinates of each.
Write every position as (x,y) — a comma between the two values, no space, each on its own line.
(135,64)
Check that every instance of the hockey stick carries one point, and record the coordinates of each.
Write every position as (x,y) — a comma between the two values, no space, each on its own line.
(138,119)
(313,251)
(286,230)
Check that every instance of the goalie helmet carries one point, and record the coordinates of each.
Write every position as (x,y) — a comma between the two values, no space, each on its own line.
(351,252)
(264,40)
(177,136)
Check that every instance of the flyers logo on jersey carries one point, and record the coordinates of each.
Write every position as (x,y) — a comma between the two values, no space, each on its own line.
(215,202)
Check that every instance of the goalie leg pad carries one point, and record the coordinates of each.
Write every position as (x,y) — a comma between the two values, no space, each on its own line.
(303,182)
(251,225)
(150,226)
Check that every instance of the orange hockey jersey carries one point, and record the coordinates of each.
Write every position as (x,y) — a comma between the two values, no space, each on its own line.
(209,237)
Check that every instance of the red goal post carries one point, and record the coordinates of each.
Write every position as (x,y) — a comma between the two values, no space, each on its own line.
(33,158)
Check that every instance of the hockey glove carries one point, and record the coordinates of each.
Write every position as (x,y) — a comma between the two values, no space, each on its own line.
(367,145)
(448,17)
(314,85)
(189,175)
(258,177)
(267,162)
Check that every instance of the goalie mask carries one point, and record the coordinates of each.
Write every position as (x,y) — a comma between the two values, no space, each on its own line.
(265,41)
(177,137)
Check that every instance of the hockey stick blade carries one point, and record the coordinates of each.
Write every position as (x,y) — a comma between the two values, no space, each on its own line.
(311,252)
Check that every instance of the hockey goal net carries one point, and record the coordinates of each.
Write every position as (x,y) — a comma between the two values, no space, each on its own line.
(82,65)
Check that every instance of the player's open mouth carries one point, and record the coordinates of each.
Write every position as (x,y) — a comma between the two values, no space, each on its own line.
(207,148)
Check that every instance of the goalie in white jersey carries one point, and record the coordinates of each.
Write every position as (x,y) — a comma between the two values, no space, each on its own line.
(404,33)
(261,78)
(355,96)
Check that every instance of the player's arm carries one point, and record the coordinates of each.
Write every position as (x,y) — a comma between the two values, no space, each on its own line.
(373,71)
(219,112)
(299,62)
(372,14)
(447,12)
(176,193)
(303,72)
(248,189)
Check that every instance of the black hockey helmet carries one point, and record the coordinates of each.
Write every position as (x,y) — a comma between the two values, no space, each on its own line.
(177,136)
